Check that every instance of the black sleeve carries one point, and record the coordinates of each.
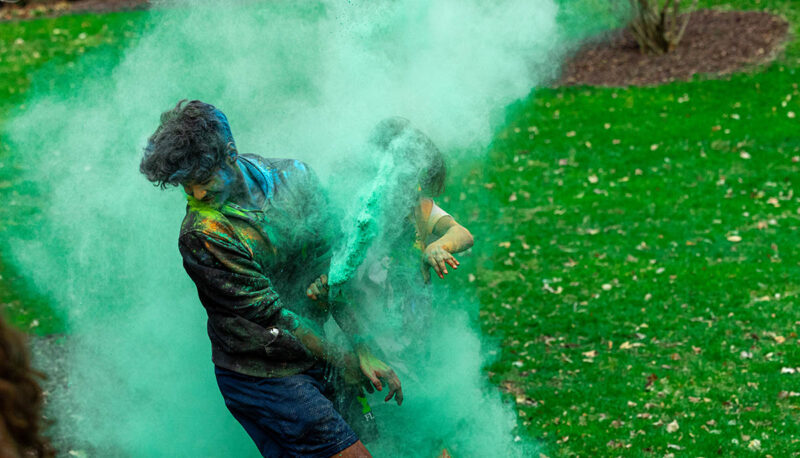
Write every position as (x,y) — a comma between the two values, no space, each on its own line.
(227,278)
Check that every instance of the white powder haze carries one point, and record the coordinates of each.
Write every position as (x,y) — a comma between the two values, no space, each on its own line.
(296,79)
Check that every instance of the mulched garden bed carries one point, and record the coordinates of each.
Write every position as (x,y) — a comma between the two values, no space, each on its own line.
(717,42)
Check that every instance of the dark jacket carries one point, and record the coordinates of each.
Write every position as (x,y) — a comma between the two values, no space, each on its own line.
(252,267)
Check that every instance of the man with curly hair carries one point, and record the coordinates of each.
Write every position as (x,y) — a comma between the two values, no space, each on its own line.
(255,235)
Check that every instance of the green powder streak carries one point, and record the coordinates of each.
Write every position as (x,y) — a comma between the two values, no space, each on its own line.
(347,262)
(303,80)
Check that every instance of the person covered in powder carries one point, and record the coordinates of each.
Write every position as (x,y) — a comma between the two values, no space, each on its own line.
(395,277)
(256,232)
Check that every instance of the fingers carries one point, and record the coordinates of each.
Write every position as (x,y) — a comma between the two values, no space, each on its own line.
(311,292)
(374,379)
(435,265)
(442,266)
(322,288)
(395,388)
(318,289)
(438,264)
(440,259)
(369,388)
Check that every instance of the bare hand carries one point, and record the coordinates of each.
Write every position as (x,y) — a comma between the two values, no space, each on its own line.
(376,370)
(318,289)
(439,258)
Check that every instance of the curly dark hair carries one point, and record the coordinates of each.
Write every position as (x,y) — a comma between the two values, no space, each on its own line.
(21,399)
(419,150)
(189,144)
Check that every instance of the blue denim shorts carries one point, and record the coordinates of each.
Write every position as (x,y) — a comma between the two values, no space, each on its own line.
(286,416)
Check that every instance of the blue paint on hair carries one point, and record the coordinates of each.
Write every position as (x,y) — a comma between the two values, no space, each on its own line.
(226,128)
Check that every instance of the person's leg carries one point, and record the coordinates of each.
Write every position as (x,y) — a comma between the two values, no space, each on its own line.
(236,400)
(291,411)
(266,445)
(352,405)
(356,450)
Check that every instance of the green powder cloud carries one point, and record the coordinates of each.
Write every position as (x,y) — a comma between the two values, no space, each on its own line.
(306,80)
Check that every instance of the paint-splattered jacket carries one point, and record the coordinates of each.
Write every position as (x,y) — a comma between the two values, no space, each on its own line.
(251,269)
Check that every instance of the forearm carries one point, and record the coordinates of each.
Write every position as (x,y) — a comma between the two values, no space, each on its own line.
(455,240)
(321,348)
(348,321)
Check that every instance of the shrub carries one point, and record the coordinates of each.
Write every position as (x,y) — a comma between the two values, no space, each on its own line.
(658,25)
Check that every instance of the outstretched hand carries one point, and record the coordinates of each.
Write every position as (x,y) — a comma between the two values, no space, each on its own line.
(376,370)
(318,289)
(437,257)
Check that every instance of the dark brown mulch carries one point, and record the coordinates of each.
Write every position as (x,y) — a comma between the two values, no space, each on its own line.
(49,8)
(717,42)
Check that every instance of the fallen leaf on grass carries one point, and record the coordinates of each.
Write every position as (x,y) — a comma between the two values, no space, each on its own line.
(672,427)
(627,345)
(734,238)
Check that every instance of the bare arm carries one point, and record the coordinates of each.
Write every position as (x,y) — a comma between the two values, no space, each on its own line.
(453,238)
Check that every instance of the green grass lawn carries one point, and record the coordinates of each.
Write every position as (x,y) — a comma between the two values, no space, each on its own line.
(636,254)
(642,271)
(53,44)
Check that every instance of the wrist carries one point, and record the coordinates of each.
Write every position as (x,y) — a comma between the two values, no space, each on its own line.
(362,350)
(349,361)
(438,244)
